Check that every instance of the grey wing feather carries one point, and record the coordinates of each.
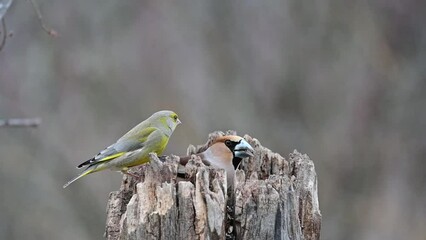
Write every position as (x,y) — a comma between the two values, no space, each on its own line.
(120,146)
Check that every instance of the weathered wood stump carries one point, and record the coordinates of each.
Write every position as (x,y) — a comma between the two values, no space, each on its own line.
(275,198)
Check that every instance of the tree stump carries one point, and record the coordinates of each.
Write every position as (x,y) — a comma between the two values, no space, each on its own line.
(274,198)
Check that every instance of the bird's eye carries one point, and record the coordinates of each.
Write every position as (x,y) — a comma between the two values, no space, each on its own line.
(175,117)
(228,143)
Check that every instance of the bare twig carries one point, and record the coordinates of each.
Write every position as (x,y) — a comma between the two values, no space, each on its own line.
(49,31)
(4,34)
(20,122)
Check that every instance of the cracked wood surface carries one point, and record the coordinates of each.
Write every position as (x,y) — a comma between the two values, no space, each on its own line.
(275,198)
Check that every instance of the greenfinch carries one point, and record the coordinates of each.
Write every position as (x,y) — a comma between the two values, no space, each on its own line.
(132,149)
(225,152)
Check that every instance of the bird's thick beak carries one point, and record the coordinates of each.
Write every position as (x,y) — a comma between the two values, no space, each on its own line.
(178,121)
(243,149)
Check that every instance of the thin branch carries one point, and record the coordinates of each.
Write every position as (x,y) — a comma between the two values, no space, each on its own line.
(4,34)
(20,122)
(49,31)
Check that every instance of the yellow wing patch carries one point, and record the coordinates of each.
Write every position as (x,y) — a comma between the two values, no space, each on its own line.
(111,157)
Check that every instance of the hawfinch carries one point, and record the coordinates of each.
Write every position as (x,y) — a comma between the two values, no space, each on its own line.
(225,152)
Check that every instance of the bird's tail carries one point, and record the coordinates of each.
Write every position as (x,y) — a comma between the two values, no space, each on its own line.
(78,177)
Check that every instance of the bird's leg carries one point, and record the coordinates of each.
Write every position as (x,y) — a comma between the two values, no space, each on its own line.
(136,177)
(130,174)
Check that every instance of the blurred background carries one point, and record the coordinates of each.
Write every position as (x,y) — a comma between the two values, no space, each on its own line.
(343,81)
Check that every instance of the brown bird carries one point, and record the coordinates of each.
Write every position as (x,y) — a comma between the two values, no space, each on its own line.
(225,152)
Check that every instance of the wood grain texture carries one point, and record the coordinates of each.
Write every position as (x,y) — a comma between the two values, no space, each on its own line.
(273,198)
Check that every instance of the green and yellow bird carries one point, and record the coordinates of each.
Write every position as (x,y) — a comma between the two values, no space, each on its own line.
(132,149)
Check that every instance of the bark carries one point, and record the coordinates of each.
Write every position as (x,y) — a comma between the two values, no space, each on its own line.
(274,198)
